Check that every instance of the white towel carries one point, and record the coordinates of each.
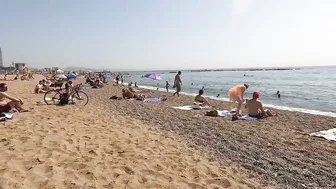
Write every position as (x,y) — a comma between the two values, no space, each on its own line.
(191,107)
(327,134)
(223,113)
(6,116)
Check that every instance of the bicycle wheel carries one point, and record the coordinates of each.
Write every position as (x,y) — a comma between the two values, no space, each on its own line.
(80,98)
(52,97)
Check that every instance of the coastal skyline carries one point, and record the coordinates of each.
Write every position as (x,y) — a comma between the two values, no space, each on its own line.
(169,35)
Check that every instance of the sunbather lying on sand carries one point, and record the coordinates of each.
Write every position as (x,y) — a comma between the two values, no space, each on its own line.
(127,94)
(201,99)
(6,106)
(255,108)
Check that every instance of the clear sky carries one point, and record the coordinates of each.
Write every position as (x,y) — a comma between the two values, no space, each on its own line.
(168,34)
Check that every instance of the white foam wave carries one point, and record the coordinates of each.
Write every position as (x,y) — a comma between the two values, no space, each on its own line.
(292,109)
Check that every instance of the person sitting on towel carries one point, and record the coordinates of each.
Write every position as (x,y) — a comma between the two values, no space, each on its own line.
(5,105)
(201,99)
(255,108)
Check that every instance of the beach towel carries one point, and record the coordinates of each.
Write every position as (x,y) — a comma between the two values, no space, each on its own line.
(153,99)
(5,116)
(248,118)
(191,107)
(223,113)
(327,134)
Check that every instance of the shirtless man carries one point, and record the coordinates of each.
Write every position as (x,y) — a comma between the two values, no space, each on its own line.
(200,98)
(177,83)
(236,95)
(6,106)
(255,108)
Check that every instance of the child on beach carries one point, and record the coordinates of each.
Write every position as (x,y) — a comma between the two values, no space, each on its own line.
(167,86)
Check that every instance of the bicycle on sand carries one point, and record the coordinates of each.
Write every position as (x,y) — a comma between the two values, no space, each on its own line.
(53,97)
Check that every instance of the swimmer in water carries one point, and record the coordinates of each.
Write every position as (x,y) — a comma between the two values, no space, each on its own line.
(218,95)
(278,93)
(236,95)
(203,88)
(192,83)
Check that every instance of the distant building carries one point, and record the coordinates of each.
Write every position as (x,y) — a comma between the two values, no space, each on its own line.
(1,62)
(22,67)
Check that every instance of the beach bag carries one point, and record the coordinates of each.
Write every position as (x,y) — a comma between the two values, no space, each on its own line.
(64,99)
(212,113)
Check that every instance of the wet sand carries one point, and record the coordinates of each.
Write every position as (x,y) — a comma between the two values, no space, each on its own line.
(276,151)
(110,144)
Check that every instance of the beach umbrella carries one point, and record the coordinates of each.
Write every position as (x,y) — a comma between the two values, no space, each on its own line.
(71,76)
(153,76)
(59,71)
(60,76)
(106,76)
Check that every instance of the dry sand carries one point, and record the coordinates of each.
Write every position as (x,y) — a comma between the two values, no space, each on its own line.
(276,151)
(99,147)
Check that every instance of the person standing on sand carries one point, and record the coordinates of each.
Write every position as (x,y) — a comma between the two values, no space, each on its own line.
(177,83)
(167,86)
(236,95)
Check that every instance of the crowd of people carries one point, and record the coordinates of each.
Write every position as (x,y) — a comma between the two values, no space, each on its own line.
(236,94)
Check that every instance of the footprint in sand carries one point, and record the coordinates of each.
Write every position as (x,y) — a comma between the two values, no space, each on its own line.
(128,170)
(223,182)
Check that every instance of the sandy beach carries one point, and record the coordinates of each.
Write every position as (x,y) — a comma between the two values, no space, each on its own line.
(103,146)
(275,151)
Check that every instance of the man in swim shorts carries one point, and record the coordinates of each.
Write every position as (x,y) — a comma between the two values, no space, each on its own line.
(236,95)
(255,108)
(177,83)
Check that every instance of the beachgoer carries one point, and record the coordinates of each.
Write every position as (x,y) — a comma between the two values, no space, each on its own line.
(255,108)
(69,88)
(14,103)
(135,85)
(117,79)
(131,88)
(236,95)
(200,98)
(167,86)
(39,88)
(178,83)
(127,94)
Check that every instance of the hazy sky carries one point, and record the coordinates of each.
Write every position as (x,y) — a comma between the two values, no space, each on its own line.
(168,34)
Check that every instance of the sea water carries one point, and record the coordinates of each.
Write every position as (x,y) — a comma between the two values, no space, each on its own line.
(311,89)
